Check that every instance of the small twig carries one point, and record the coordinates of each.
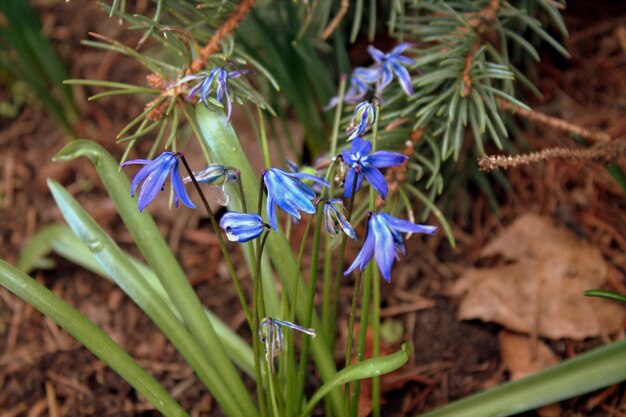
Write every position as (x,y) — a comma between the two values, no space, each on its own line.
(465,76)
(343,9)
(602,152)
(226,28)
(554,122)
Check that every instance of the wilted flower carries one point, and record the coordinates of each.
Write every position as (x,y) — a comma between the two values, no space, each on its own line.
(391,63)
(153,175)
(289,192)
(271,334)
(384,241)
(216,174)
(362,119)
(242,227)
(335,218)
(216,80)
(362,163)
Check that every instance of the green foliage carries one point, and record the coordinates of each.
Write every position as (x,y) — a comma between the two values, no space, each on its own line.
(26,54)
(90,335)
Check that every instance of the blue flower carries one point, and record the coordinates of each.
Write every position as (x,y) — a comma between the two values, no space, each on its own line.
(362,119)
(242,227)
(359,87)
(289,192)
(271,334)
(216,80)
(335,218)
(153,175)
(391,63)
(362,163)
(384,241)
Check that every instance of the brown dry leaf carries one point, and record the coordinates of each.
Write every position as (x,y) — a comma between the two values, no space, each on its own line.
(523,356)
(539,289)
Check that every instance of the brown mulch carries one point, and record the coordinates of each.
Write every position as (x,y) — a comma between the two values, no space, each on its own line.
(43,370)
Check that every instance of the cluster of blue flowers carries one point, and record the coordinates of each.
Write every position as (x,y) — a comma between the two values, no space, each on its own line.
(295,192)
(215,80)
(378,76)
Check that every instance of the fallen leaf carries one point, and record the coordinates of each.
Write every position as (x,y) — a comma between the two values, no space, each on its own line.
(523,356)
(539,287)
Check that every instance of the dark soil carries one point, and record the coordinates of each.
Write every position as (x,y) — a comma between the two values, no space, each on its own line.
(41,367)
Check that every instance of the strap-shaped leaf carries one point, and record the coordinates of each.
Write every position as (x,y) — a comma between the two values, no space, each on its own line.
(366,369)
(585,373)
(160,258)
(112,259)
(60,239)
(90,335)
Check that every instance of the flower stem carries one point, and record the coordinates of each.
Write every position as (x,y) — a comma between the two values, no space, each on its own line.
(220,240)
(266,149)
(257,309)
(310,297)
(375,285)
(339,273)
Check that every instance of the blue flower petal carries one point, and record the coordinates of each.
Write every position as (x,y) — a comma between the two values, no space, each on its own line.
(241,227)
(376,53)
(153,184)
(403,77)
(407,226)
(401,48)
(286,193)
(376,180)
(385,159)
(270,208)
(349,182)
(179,188)
(385,248)
(365,254)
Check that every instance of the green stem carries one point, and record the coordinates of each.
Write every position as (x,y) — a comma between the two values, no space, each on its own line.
(337,120)
(257,308)
(242,195)
(220,240)
(266,149)
(310,297)
(365,306)
(375,284)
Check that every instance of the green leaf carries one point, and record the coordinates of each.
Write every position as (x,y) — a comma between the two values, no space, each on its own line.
(610,295)
(366,369)
(60,239)
(112,259)
(158,255)
(90,335)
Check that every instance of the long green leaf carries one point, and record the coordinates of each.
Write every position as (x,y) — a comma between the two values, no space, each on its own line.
(112,259)
(367,369)
(90,335)
(585,373)
(160,258)
(60,239)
